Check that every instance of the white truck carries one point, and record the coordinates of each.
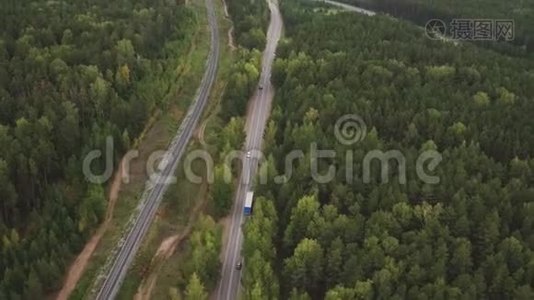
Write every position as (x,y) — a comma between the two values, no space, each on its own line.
(248,203)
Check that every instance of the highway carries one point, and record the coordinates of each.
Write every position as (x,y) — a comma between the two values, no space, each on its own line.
(154,191)
(259,109)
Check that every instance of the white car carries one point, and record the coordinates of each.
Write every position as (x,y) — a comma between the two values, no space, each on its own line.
(249,154)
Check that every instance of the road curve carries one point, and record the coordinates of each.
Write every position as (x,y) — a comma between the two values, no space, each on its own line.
(260,106)
(154,192)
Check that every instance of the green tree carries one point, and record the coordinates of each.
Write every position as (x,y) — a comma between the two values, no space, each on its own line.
(304,269)
(93,207)
(125,52)
(195,289)
(34,289)
(307,209)
(481,99)
(221,191)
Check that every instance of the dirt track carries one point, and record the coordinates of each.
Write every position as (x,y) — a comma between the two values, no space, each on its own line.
(165,250)
(78,266)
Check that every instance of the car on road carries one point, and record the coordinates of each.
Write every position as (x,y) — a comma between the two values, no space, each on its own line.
(239,265)
(260,87)
(249,154)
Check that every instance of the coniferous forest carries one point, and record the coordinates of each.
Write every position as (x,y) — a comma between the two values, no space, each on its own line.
(75,72)
(421,11)
(471,236)
(71,74)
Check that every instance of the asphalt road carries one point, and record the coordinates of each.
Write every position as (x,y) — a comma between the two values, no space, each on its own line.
(260,107)
(350,7)
(155,191)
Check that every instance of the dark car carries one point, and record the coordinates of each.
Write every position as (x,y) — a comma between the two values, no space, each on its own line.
(238,266)
(261,87)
